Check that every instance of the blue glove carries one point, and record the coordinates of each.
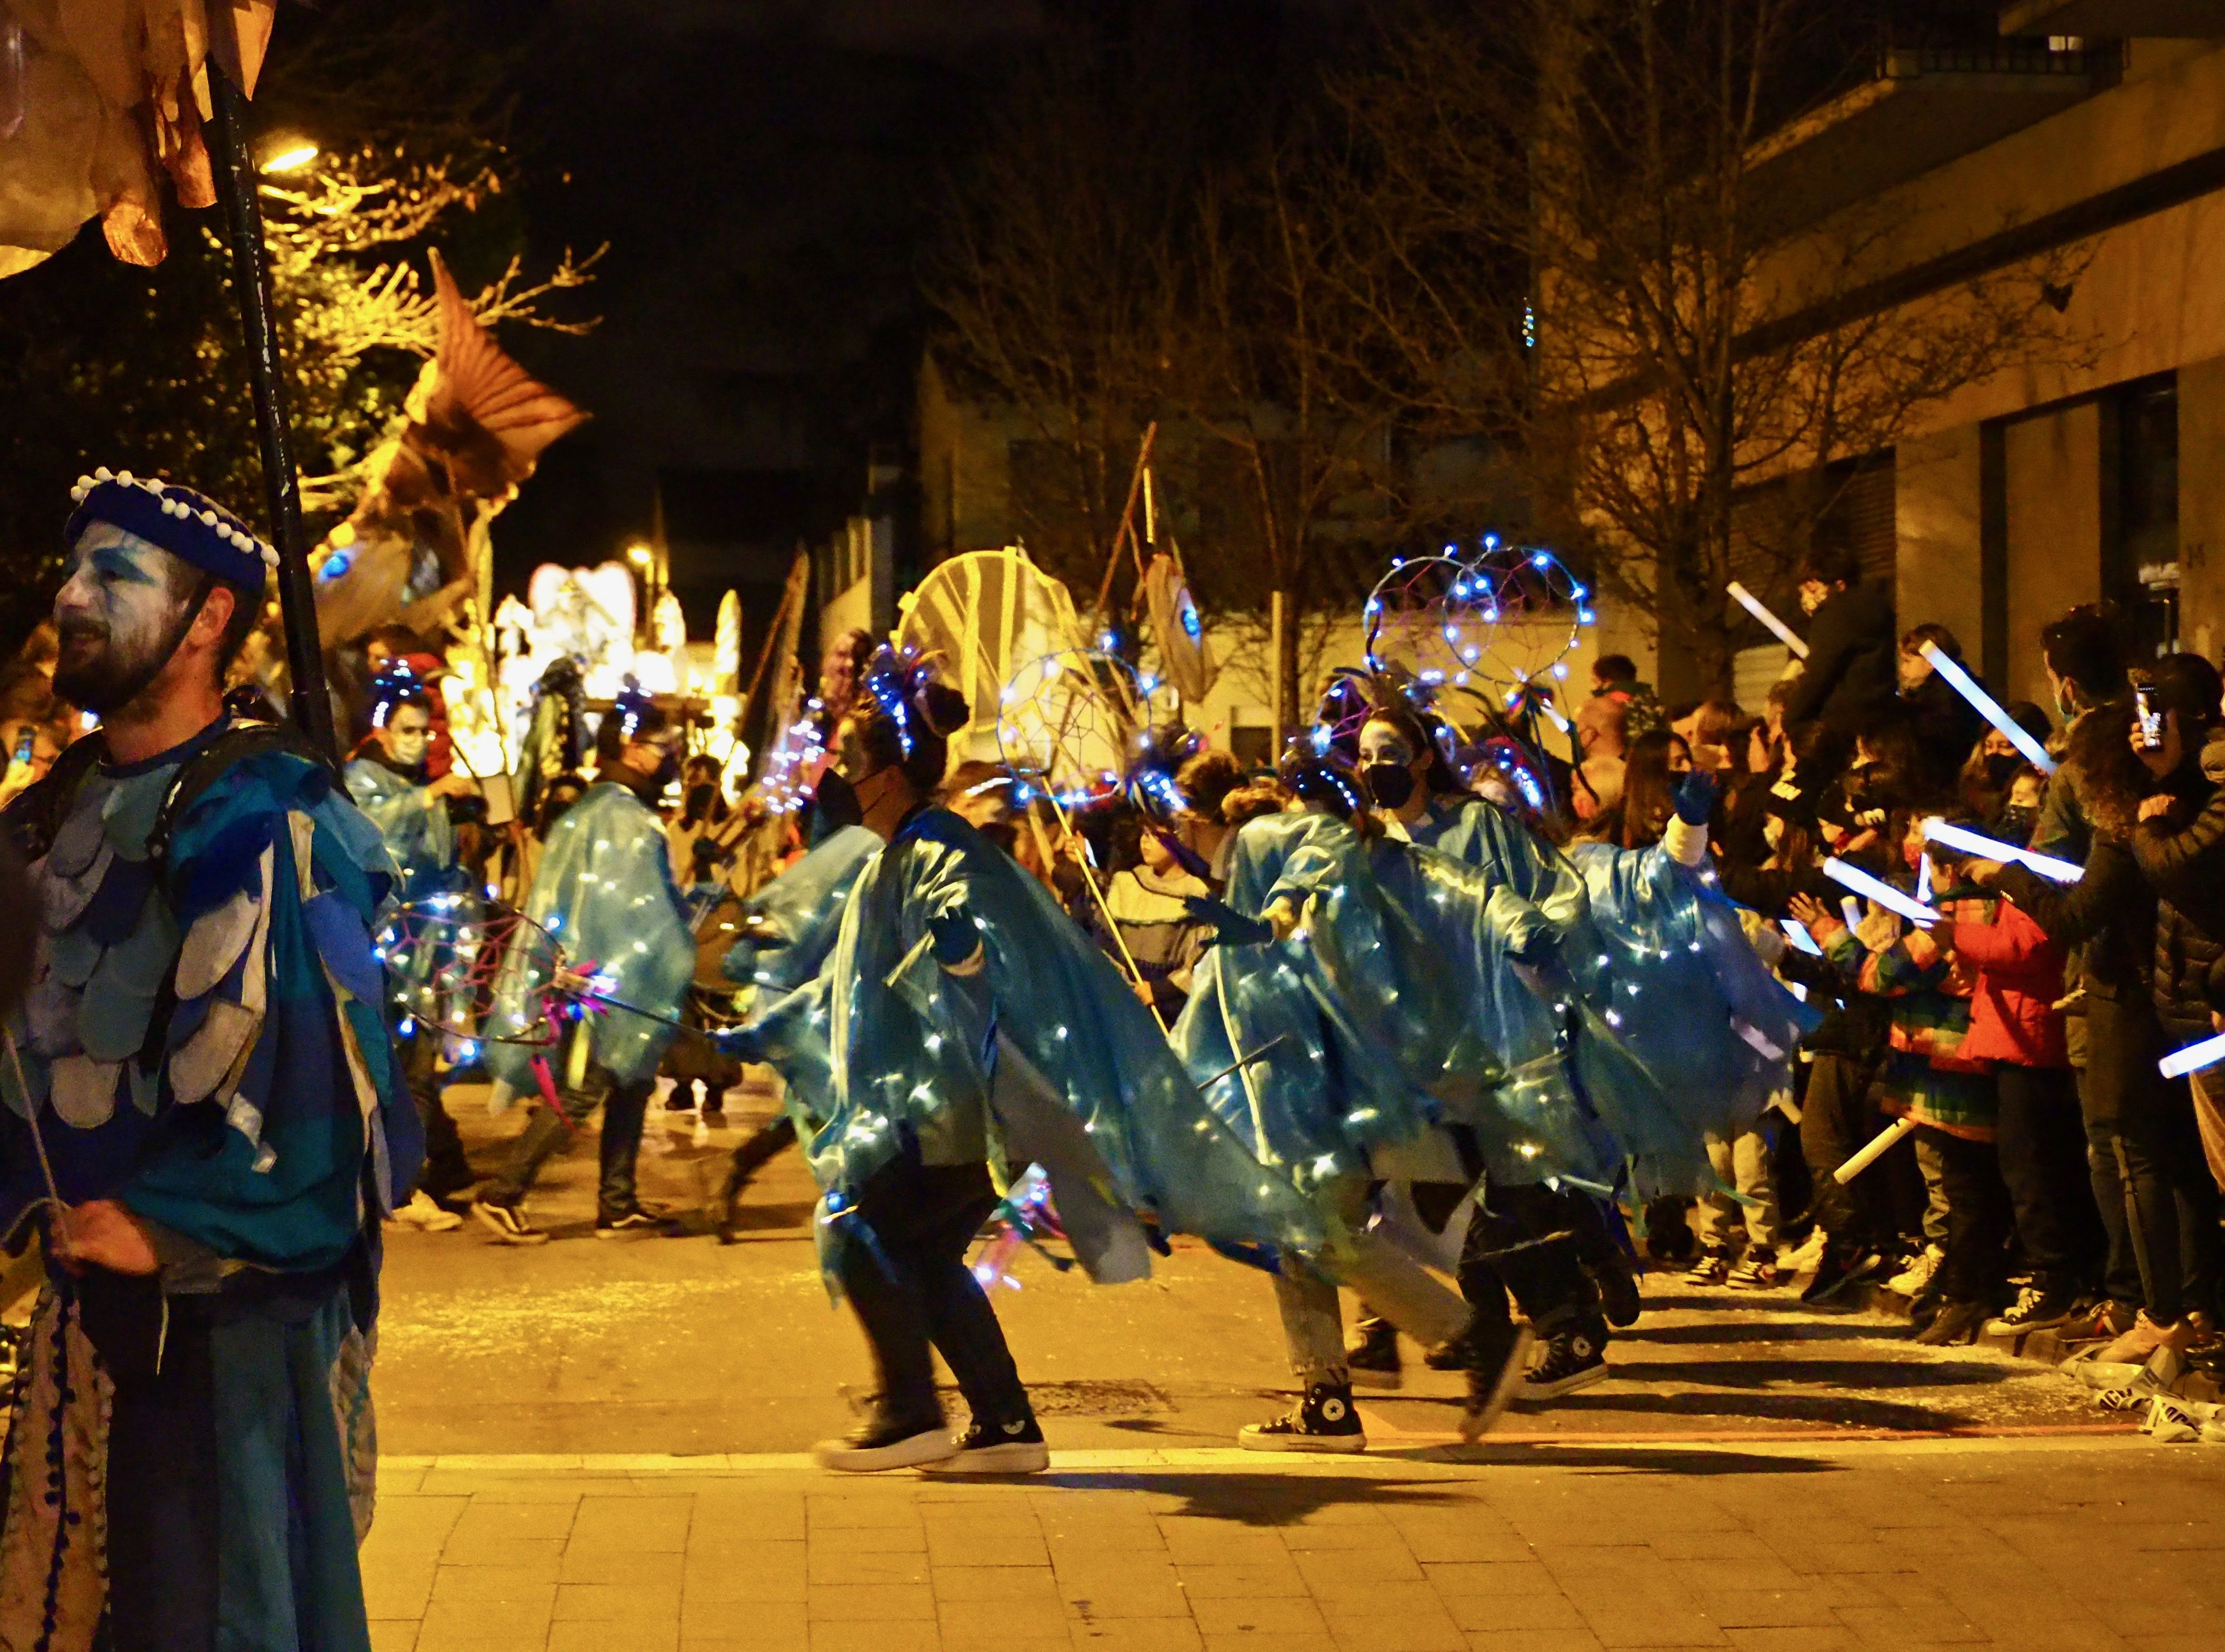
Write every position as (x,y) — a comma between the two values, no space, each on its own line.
(957,938)
(1696,799)
(1230,927)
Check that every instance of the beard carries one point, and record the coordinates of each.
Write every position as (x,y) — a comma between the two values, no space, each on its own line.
(98,671)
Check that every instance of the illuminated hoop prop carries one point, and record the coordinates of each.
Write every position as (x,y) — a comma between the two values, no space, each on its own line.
(1429,617)
(1531,590)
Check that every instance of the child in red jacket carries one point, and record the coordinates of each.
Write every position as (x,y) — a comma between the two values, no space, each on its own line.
(2041,1140)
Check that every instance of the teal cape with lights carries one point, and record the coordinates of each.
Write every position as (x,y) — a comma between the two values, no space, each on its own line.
(603,891)
(1035,1045)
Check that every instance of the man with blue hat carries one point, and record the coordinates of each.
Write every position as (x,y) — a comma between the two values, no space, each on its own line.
(202,1119)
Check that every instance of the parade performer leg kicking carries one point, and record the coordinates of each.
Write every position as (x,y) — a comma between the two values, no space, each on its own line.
(605,890)
(967,1017)
(204,1118)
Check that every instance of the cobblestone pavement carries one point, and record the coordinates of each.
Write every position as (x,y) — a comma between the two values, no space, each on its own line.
(1819,1546)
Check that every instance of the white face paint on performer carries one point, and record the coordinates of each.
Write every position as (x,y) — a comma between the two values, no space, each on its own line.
(122,608)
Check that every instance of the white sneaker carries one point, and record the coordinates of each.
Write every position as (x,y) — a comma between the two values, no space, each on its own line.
(2172,1422)
(1912,1279)
(425,1216)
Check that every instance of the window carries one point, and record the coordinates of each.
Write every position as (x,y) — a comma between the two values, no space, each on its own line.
(2139,542)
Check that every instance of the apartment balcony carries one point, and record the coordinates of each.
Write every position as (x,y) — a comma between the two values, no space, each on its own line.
(2116,19)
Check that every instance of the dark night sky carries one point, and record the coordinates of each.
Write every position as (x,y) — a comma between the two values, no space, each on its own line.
(765,172)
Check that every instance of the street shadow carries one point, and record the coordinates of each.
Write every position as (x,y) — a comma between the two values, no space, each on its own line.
(1813,1373)
(1763,1331)
(1841,1410)
(1677,1460)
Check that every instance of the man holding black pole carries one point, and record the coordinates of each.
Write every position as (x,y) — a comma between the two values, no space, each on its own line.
(203,1123)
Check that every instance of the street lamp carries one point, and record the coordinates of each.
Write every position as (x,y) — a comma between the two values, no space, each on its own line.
(290,154)
(638,554)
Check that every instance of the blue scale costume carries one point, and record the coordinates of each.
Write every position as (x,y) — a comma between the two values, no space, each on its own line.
(205,1044)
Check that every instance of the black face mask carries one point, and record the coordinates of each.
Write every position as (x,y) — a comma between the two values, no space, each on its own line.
(837,801)
(2001,769)
(2014,823)
(1391,785)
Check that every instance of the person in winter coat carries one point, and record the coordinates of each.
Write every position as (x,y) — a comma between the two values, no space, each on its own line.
(1946,726)
(1849,673)
(2041,1140)
(2162,1200)
(2183,859)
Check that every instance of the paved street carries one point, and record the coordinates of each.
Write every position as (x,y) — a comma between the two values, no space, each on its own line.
(601,1445)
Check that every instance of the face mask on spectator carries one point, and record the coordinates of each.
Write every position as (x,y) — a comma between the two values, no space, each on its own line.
(2000,770)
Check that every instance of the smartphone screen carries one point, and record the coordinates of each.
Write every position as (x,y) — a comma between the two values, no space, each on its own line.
(2150,717)
(24,746)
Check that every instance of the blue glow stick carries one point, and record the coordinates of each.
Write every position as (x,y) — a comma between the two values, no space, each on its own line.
(1752,604)
(1796,932)
(2016,734)
(1876,889)
(2193,1058)
(1956,837)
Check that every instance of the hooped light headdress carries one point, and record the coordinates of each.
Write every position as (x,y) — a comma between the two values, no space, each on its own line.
(900,680)
(397,685)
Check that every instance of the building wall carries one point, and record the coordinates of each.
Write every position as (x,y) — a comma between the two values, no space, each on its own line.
(2054,532)
(1939,569)
(2202,507)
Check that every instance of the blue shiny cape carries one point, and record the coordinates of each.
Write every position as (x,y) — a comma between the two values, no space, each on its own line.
(605,891)
(1709,1022)
(414,824)
(207,1042)
(1044,1036)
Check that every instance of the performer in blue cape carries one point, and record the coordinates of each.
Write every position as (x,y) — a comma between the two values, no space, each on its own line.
(204,1122)
(604,889)
(787,929)
(969,1018)
(388,781)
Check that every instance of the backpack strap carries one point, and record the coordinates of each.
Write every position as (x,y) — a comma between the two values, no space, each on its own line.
(37,813)
(235,745)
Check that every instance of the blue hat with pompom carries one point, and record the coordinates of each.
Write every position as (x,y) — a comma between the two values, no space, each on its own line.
(186,523)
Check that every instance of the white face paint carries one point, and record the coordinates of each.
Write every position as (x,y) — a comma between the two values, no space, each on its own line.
(1381,743)
(409,732)
(117,617)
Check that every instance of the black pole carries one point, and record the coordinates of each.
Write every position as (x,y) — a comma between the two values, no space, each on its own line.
(250,274)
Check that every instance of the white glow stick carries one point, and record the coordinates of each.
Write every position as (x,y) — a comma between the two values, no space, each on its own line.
(1955,837)
(1752,604)
(1923,879)
(1796,932)
(1879,1145)
(2017,734)
(1851,910)
(2193,1058)
(1876,889)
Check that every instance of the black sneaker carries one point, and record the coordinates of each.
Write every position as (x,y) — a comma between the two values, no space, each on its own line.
(1574,1359)
(1374,1358)
(507,1222)
(639,1223)
(1839,1269)
(2037,1307)
(1322,1421)
(1448,1356)
(870,1447)
(1617,1285)
(1494,1375)
(1955,1323)
(997,1448)
(1711,1266)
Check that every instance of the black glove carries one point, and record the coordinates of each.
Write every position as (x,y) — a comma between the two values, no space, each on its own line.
(1230,927)
(1696,799)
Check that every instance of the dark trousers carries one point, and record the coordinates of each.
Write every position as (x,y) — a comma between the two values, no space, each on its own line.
(1836,1121)
(904,1271)
(623,1107)
(2173,1198)
(2043,1158)
(1978,1217)
(447,1171)
(162,1478)
(1525,1240)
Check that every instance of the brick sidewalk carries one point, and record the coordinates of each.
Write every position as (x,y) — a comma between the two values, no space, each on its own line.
(1806,1546)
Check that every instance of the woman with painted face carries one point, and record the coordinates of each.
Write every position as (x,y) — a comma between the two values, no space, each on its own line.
(603,888)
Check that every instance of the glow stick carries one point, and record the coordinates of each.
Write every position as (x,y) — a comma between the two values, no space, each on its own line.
(2016,734)
(1752,604)
(1924,877)
(1796,932)
(1955,837)
(1876,889)
(2193,1058)
(1877,1149)
(1851,910)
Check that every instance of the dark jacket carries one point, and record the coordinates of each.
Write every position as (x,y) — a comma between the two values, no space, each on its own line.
(2183,859)
(1947,728)
(1850,672)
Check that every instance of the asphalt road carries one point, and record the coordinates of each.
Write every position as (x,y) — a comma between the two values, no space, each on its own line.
(684,1346)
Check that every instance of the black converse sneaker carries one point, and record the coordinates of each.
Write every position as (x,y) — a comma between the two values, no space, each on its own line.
(1572,1359)
(997,1448)
(507,1222)
(1374,1358)
(1322,1421)
(1498,1363)
(903,1442)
